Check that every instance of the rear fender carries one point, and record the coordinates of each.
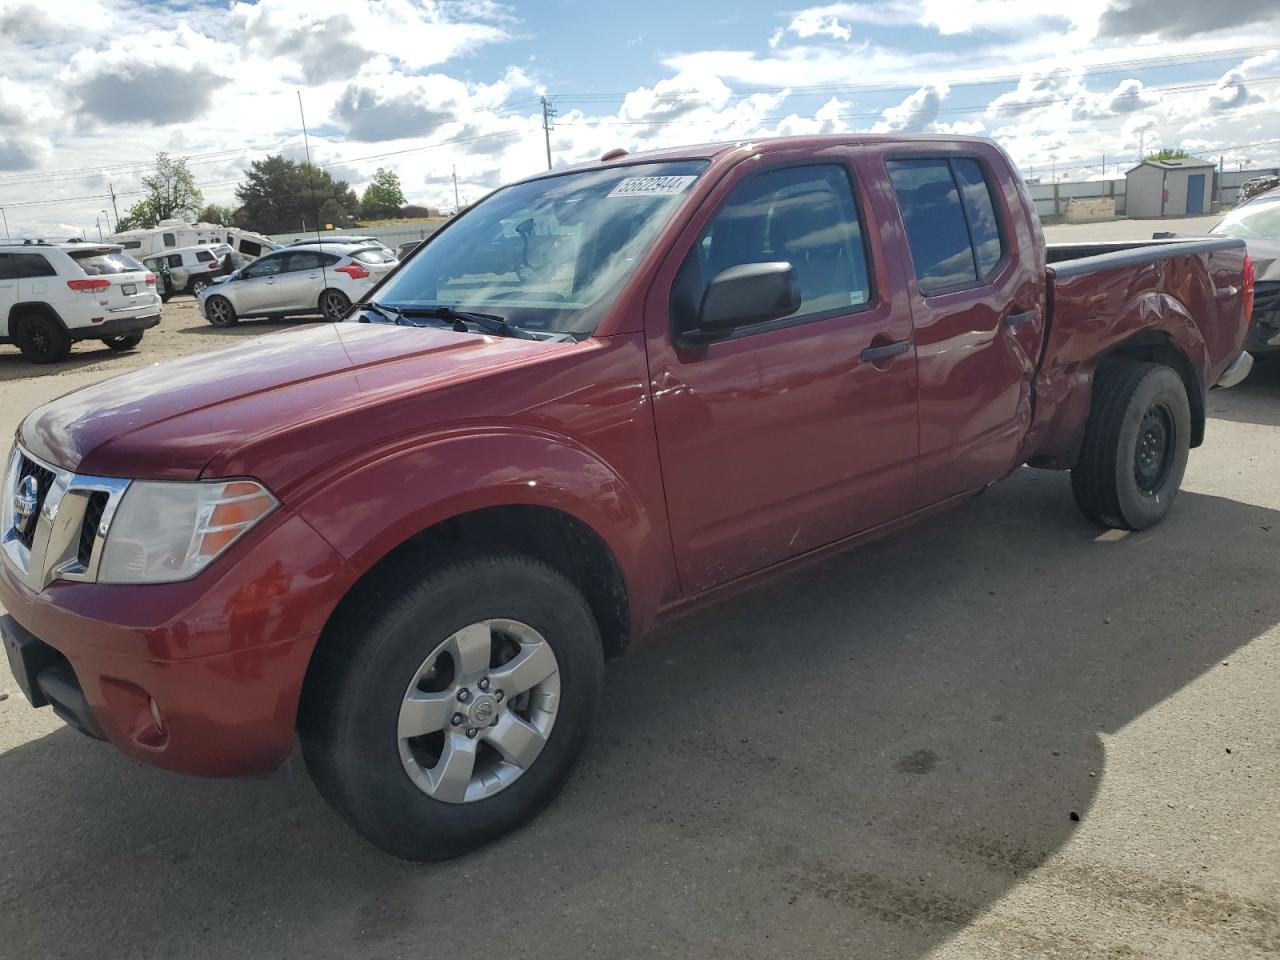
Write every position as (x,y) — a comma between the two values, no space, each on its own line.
(1153,326)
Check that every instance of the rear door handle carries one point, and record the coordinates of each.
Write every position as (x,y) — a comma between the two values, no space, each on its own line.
(1015,320)
(872,354)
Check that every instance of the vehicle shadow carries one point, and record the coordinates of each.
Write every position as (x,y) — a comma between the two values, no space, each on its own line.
(250,327)
(14,366)
(1257,400)
(858,760)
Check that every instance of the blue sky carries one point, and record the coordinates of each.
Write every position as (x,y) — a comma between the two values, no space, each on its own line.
(93,89)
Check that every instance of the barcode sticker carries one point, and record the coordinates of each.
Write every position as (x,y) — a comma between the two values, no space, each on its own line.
(651,186)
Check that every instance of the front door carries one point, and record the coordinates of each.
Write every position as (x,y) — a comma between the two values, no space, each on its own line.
(1195,193)
(788,435)
(256,289)
(978,309)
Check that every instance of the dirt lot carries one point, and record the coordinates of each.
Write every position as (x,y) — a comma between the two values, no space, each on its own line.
(1001,735)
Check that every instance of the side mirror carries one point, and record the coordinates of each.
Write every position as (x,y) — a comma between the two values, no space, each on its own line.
(747,294)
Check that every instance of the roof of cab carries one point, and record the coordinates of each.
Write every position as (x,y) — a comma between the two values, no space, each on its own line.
(764,145)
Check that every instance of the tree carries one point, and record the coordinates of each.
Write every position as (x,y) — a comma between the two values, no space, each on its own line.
(279,196)
(171,194)
(332,212)
(1168,153)
(383,197)
(214,213)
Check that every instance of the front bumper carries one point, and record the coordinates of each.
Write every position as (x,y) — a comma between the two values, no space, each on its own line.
(221,657)
(1238,370)
(114,327)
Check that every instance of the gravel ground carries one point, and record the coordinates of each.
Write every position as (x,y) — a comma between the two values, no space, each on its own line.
(999,735)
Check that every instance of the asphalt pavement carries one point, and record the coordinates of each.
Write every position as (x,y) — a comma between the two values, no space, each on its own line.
(1005,733)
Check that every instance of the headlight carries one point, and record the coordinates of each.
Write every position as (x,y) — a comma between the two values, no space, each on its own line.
(163,532)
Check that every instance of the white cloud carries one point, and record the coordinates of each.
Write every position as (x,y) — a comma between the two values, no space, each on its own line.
(916,114)
(815,22)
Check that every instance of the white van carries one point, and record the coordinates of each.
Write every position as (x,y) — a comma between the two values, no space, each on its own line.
(177,234)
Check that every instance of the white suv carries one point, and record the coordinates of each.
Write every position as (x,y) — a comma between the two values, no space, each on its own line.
(54,294)
(317,279)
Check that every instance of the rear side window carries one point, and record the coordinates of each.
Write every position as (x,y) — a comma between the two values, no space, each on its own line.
(951,222)
(980,210)
(204,256)
(251,248)
(132,244)
(32,265)
(175,259)
(308,260)
(374,255)
(96,263)
(170,240)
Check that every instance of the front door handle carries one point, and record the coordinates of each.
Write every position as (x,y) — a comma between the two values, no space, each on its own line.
(1015,320)
(889,350)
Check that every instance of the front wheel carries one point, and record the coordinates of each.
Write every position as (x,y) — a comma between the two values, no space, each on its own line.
(1135,446)
(42,339)
(441,715)
(334,305)
(220,312)
(124,341)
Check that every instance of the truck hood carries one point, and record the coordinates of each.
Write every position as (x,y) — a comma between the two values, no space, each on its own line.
(170,420)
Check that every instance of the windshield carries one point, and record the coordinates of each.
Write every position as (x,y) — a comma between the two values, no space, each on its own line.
(550,254)
(1259,219)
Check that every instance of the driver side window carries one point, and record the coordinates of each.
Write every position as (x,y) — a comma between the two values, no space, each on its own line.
(805,216)
(266,267)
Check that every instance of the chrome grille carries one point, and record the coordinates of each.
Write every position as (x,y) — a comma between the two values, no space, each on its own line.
(44,482)
(66,540)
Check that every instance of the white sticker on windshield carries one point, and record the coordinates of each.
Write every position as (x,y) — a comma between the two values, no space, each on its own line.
(651,186)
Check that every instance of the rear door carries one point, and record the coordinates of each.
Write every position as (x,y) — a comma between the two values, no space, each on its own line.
(788,435)
(303,279)
(977,304)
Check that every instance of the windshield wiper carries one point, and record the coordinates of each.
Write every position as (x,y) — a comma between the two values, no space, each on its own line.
(486,321)
(394,314)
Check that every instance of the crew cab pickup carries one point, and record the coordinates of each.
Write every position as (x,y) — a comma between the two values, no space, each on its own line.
(597,397)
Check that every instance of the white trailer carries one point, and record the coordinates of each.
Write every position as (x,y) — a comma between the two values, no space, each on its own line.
(175,234)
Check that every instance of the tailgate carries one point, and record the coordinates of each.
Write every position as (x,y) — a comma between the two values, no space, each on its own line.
(116,280)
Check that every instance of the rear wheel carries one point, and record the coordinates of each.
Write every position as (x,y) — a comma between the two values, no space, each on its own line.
(1135,446)
(334,305)
(198,286)
(449,711)
(42,339)
(220,312)
(124,341)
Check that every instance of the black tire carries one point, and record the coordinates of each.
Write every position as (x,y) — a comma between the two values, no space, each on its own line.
(42,339)
(1135,446)
(196,286)
(334,305)
(368,657)
(124,341)
(219,312)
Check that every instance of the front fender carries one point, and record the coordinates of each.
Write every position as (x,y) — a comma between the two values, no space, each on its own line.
(382,502)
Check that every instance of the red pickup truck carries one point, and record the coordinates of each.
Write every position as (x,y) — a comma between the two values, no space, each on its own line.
(599,396)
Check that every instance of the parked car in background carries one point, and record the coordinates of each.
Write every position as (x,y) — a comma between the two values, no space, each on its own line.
(52,295)
(411,539)
(298,280)
(341,240)
(1257,223)
(190,269)
(1258,185)
(173,235)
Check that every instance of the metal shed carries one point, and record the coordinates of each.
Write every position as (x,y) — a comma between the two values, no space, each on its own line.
(1169,188)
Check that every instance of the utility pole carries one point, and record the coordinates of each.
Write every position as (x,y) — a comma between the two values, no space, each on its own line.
(114,208)
(6,224)
(97,222)
(1142,149)
(1053,167)
(457,205)
(548,115)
